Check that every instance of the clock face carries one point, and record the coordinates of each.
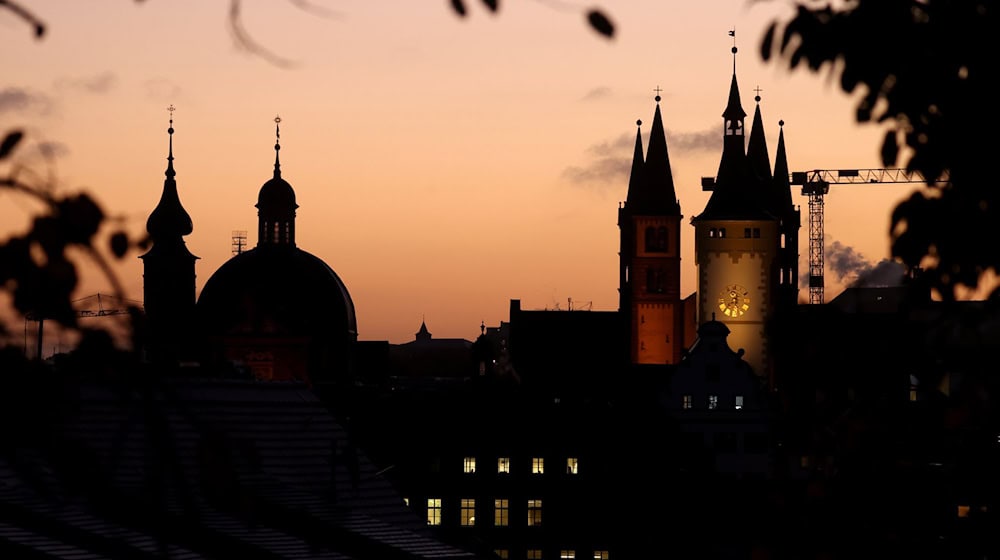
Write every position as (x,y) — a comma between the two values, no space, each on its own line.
(734,301)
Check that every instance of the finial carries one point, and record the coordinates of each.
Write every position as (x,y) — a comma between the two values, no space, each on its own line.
(482,328)
(657,90)
(781,122)
(757,97)
(277,145)
(638,122)
(732,33)
(170,151)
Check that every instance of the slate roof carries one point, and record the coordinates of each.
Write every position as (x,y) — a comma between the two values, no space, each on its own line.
(203,469)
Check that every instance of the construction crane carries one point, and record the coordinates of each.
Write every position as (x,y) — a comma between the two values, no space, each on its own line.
(816,184)
(84,308)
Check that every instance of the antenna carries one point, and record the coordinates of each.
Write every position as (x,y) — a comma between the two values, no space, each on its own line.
(239,241)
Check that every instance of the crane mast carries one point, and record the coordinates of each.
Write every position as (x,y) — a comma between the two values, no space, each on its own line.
(816,184)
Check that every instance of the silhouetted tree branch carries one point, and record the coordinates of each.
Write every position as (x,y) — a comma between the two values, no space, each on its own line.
(924,68)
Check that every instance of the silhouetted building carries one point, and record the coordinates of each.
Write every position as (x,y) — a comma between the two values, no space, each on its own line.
(168,274)
(276,309)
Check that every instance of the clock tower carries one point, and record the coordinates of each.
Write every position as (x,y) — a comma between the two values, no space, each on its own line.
(650,262)
(739,237)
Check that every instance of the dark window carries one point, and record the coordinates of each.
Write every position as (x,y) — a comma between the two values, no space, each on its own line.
(746,232)
(756,232)
(655,280)
(656,239)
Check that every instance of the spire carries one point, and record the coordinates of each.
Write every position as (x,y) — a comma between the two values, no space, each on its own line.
(760,163)
(423,333)
(737,193)
(277,146)
(635,179)
(781,184)
(660,194)
(169,220)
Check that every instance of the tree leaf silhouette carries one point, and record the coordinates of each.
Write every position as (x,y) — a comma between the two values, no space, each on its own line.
(10,142)
(459,7)
(493,5)
(600,23)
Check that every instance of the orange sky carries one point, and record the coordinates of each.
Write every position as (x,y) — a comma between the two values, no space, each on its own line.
(443,166)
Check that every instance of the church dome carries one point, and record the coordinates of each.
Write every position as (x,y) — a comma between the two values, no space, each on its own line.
(277,290)
(276,194)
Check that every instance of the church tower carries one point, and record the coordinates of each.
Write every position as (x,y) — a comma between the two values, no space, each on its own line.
(276,204)
(168,279)
(650,261)
(738,237)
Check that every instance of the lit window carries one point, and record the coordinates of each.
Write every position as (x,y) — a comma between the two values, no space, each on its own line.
(534,554)
(963,511)
(534,513)
(537,465)
(500,513)
(501,553)
(913,393)
(567,554)
(686,402)
(572,465)
(503,465)
(470,465)
(433,511)
(722,232)
(713,402)
(601,555)
(739,402)
(468,512)
(406,501)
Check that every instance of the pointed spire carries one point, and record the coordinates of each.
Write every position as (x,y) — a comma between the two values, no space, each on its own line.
(423,333)
(781,183)
(169,220)
(277,145)
(635,179)
(660,194)
(760,163)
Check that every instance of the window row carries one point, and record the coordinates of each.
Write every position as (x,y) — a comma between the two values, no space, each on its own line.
(537,465)
(564,554)
(467,517)
(687,402)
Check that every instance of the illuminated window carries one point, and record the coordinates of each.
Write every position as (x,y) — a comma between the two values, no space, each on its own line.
(468,512)
(567,554)
(572,465)
(433,511)
(739,402)
(406,501)
(713,402)
(686,402)
(601,555)
(534,554)
(534,513)
(469,465)
(500,513)
(722,232)
(537,465)
(503,465)
(913,393)
(501,553)
(963,511)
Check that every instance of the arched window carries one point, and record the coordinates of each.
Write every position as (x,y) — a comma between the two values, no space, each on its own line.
(722,232)
(661,238)
(650,238)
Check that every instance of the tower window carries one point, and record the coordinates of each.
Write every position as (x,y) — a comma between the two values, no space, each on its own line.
(746,232)
(655,280)
(722,232)
(756,233)
(711,232)
(656,239)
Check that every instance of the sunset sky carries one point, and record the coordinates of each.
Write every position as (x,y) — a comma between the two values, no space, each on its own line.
(443,165)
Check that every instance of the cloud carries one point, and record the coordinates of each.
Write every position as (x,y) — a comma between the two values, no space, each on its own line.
(52,149)
(606,170)
(844,261)
(14,99)
(611,160)
(709,140)
(602,92)
(884,274)
(161,89)
(97,84)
